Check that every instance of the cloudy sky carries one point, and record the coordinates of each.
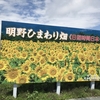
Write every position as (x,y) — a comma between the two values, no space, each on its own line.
(68,13)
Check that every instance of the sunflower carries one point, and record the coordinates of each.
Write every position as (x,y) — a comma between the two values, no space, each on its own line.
(40,52)
(12,75)
(26,67)
(2,65)
(86,53)
(90,58)
(18,54)
(94,52)
(42,61)
(4,54)
(22,79)
(38,57)
(31,59)
(92,70)
(62,70)
(60,56)
(81,58)
(52,71)
(9,55)
(69,77)
(42,73)
(52,59)
(52,52)
(24,55)
(59,77)
(83,66)
(37,69)
(14,51)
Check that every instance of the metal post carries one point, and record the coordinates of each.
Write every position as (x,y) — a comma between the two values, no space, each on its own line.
(58,88)
(92,85)
(15,90)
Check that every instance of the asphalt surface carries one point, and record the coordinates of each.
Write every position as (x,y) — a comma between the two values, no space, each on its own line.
(87,98)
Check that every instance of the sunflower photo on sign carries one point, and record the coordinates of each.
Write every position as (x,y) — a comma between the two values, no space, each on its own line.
(33,53)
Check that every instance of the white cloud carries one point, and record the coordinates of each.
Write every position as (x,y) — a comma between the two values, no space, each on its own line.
(74,13)
(69,13)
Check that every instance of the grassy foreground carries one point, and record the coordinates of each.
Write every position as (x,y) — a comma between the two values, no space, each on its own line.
(47,91)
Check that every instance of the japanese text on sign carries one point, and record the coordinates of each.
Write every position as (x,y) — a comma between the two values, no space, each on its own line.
(40,34)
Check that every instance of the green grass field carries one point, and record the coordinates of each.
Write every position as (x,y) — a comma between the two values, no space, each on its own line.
(47,91)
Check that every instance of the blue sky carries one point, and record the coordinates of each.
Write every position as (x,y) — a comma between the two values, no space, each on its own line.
(68,13)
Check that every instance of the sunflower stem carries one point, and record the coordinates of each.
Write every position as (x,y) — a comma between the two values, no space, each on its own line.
(58,88)
(15,90)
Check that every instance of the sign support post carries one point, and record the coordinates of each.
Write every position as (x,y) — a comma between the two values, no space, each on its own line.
(15,90)
(58,88)
(92,85)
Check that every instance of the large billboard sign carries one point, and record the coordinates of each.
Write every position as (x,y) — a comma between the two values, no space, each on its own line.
(33,53)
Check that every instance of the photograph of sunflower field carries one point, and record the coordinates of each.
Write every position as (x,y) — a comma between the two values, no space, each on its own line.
(37,60)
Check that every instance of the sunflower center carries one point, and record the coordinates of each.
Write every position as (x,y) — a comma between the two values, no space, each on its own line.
(26,68)
(52,59)
(91,58)
(60,56)
(53,72)
(92,72)
(40,52)
(13,75)
(32,59)
(69,77)
(24,55)
(82,59)
(34,54)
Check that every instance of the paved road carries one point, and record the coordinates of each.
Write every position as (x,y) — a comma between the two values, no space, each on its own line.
(88,98)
